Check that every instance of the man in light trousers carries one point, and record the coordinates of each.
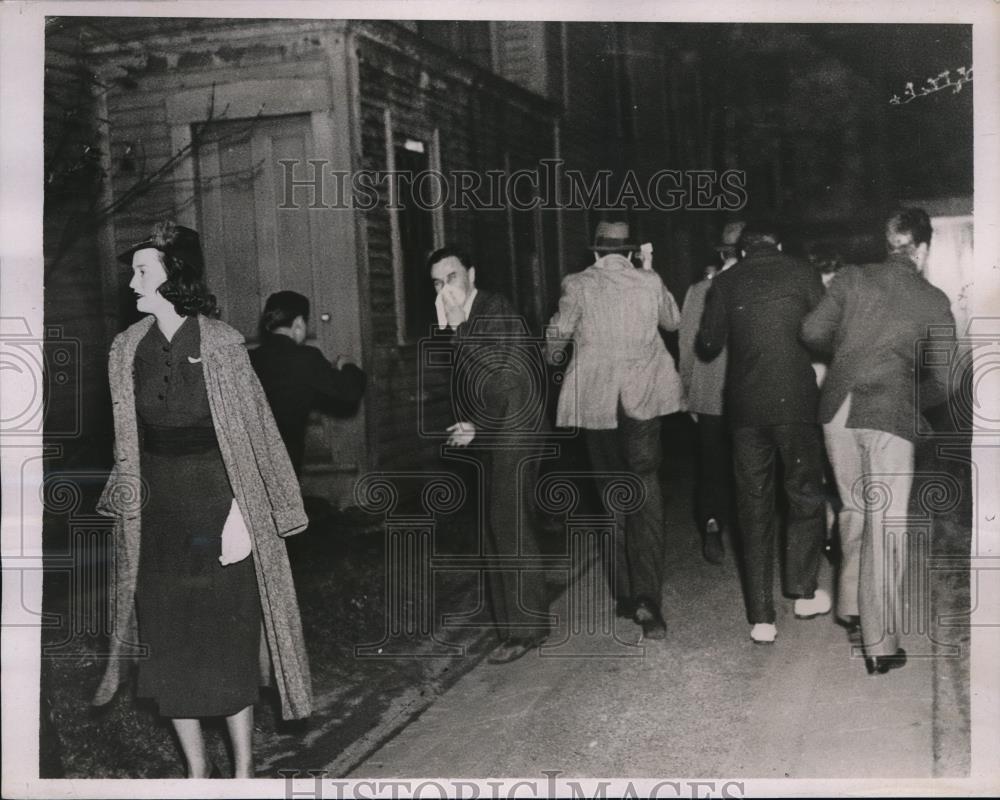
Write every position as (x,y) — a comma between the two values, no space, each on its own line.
(871,321)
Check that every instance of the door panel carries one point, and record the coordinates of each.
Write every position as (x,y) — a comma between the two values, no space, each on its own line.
(295,255)
(254,248)
(241,306)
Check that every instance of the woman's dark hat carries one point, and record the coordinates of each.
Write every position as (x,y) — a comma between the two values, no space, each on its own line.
(611,236)
(172,240)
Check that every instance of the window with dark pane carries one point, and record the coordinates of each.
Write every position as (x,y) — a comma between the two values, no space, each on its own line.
(416,237)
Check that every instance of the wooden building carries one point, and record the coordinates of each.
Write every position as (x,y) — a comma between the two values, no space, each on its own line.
(253,131)
(250,131)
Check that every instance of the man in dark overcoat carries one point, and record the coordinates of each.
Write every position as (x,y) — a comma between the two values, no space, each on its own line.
(498,407)
(754,310)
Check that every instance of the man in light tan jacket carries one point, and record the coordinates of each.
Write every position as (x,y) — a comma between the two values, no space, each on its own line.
(620,382)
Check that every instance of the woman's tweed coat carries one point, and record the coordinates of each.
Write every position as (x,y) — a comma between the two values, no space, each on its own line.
(263,484)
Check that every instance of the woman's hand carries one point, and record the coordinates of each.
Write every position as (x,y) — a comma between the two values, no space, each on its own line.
(235,537)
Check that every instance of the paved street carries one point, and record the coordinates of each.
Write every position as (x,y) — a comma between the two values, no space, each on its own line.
(704,702)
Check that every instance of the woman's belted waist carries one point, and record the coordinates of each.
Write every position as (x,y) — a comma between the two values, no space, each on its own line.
(177,441)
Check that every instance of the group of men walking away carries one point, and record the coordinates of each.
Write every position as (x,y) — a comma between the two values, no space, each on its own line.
(750,337)
(770,319)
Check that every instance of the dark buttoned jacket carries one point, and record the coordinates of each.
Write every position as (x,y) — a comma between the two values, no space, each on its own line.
(755,310)
(872,323)
(499,378)
(298,378)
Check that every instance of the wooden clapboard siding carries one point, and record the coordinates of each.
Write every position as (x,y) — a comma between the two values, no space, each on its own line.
(482,126)
(479,121)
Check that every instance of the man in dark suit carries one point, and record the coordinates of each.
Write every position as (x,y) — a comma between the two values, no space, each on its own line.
(296,377)
(870,322)
(497,405)
(754,310)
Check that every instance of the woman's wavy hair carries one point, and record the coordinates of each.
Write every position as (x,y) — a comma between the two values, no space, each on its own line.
(185,266)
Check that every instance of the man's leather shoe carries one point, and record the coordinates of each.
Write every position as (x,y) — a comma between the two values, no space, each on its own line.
(624,608)
(851,624)
(649,617)
(879,665)
(512,649)
(712,547)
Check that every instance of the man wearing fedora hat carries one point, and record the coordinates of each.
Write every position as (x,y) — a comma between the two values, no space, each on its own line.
(620,382)
(703,382)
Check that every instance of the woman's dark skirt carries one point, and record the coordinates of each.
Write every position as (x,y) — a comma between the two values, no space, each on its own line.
(200,620)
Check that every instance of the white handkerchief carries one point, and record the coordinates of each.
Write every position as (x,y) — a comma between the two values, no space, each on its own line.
(439,308)
(193,360)
(236,544)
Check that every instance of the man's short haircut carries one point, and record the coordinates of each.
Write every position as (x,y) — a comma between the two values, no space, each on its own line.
(907,229)
(448,252)
(281,309)
(760,233)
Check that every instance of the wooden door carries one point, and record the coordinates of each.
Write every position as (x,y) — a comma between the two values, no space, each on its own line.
(257,242)
(253,248)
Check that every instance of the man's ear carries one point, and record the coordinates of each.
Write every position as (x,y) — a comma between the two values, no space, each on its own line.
(301,328)
(472,277)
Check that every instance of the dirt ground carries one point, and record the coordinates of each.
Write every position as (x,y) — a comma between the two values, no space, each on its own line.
(339,565)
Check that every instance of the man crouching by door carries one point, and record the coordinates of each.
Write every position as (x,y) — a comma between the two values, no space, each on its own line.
(297,377)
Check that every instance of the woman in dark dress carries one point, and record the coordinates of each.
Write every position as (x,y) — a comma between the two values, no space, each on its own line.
(196,595)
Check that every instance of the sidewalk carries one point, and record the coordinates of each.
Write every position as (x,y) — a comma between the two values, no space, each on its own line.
(703,703)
